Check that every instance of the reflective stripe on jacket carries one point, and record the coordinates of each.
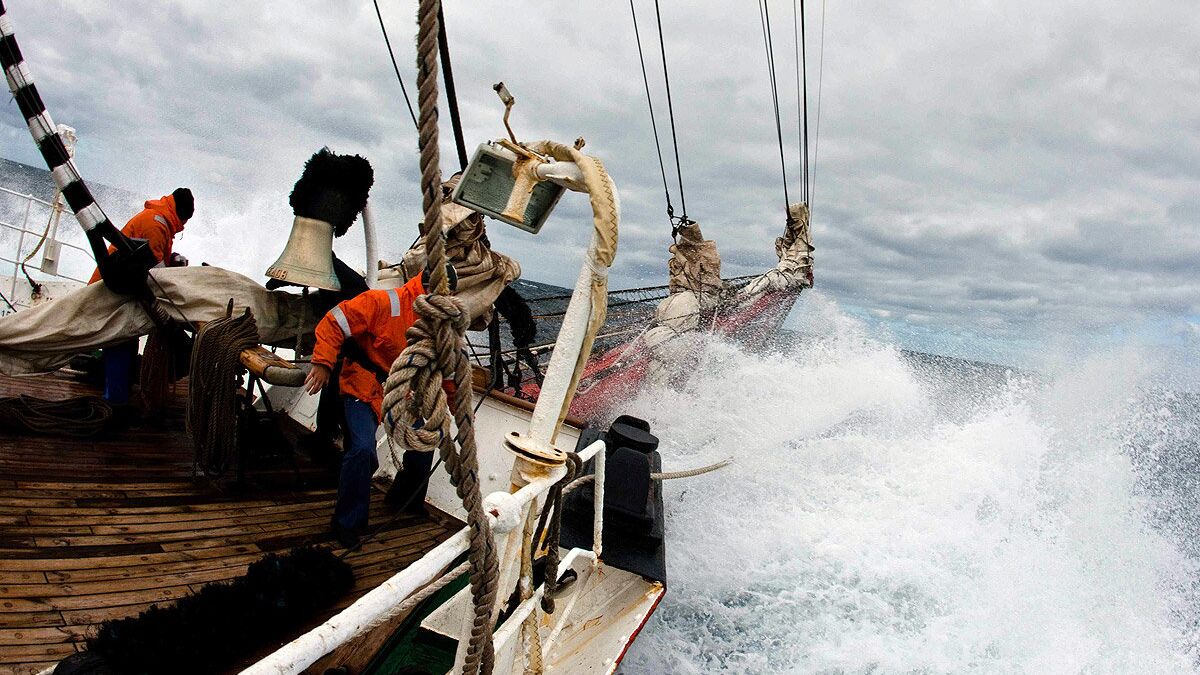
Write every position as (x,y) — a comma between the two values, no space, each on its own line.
(377,321)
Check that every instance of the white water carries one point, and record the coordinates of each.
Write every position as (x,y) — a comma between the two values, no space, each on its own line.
(884,518)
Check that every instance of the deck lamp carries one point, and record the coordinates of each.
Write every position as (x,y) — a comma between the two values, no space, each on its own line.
(502,182)
(508,181)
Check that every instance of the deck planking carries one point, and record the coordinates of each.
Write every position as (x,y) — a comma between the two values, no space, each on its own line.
(98,529)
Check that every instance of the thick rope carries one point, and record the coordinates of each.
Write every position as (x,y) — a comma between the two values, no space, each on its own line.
(529,627)
(82,416)
(154,374)
(417,412)
(213,389)
(689,473)
(656,475)
(417,598)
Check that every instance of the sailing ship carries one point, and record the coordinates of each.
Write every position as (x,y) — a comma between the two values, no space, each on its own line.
(129,547)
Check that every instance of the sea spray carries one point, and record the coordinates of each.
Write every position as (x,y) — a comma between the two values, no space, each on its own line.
(894,514)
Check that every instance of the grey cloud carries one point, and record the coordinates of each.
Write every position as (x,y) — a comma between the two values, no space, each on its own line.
(989,177)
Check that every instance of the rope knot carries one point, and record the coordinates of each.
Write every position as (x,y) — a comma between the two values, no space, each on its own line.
(443,309)
(414,399)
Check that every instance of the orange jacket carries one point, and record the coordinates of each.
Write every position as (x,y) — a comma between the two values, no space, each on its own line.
(157,224)
(377,320)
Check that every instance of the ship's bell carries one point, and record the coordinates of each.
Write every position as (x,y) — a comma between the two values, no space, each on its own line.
(307,260)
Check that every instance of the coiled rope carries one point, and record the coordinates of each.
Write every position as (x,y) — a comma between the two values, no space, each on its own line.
(213,389)
(155,374)
(416,409)
(81,416)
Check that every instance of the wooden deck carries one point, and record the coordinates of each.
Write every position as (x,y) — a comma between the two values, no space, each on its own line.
(102,529)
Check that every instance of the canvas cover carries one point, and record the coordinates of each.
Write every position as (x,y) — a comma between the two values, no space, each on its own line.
(45,337)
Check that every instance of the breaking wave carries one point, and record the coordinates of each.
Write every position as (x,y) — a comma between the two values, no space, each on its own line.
(896,514)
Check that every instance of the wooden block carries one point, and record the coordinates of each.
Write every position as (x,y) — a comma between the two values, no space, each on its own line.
(271,367)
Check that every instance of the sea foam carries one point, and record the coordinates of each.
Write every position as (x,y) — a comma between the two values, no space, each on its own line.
(889,515)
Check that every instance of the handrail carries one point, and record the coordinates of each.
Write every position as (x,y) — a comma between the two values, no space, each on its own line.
(25,195)
(66,244)
(22,230)
(505,513)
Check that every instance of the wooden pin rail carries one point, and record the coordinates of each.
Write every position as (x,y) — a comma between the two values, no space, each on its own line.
(269,366)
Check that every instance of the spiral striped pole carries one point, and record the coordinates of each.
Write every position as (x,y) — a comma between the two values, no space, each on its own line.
(120,270)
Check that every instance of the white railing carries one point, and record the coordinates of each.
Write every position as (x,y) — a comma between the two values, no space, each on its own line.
(506,513)
(15,256)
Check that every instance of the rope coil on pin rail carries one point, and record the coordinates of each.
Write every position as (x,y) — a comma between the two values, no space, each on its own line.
(415,404)
(212,407)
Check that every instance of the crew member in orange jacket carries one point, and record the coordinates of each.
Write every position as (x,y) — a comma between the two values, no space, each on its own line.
(158,223)
(366,333)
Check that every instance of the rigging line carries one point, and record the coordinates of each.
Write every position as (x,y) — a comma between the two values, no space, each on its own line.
(395,67)
(451,93)
(670,108)
(764,16)
(650,103)
(804,88)
(817,130)
(796,38)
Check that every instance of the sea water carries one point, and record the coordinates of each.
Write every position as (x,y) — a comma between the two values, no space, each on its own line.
(888,513)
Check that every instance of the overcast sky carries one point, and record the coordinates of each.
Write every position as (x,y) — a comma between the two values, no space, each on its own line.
(992,177)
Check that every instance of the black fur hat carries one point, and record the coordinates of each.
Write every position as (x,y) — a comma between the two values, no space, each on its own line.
(185,205)
(333,188)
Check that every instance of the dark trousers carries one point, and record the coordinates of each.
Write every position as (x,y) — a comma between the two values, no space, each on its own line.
(118,371)
(412,482)
(358,465)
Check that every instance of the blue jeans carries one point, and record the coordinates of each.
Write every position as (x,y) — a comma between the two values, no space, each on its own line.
(118,371)
(358,465)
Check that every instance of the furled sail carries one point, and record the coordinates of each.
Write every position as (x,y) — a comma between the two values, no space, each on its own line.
(794,249)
